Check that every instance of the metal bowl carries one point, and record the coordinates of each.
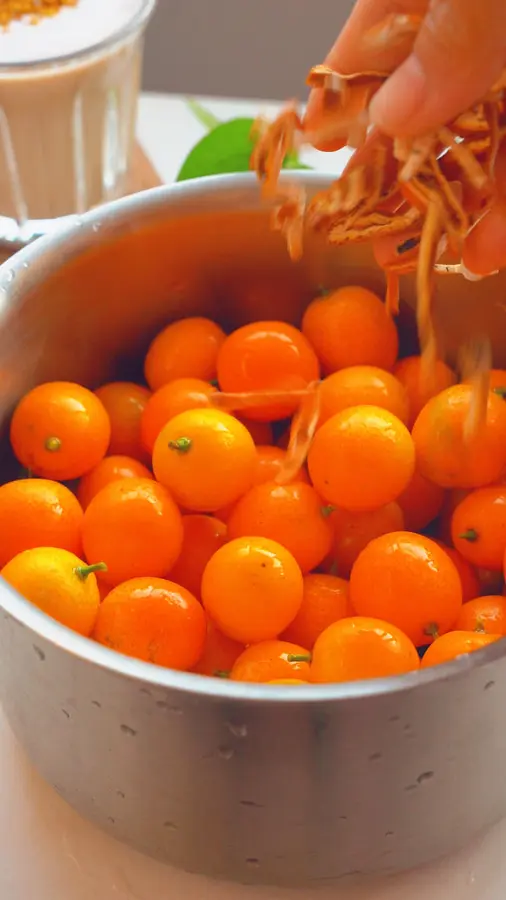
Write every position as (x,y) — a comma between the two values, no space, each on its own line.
(299,786)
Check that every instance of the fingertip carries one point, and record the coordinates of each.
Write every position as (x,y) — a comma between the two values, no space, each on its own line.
(314,120)
(500,170)
(485,247)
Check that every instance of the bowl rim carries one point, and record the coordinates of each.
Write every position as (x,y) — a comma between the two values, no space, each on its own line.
(16,276)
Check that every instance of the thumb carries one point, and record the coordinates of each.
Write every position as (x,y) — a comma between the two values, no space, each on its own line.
(459,53)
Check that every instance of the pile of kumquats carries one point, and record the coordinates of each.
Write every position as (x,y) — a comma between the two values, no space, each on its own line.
(154,521)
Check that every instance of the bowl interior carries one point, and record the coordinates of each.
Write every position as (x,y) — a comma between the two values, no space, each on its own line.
(83,304)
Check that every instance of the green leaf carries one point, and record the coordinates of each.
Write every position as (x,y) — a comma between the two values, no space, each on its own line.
(203,115)
(227,148)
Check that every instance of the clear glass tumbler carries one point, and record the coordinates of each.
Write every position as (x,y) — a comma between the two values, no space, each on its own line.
(69,86)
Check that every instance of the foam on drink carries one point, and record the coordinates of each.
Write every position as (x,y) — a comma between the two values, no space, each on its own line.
(70,31)
(69,86)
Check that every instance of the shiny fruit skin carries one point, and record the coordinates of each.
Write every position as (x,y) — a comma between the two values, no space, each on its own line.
(266,356)
(361,647)
(362,386)
(110,468)
(479,527)
(135,527)
(351,327)
(219,654)
(325,601)
(50,579)
(187,348)
(454,645)
(450,503)
(170,400)
(36,512)
(270,461)
(421,502)
(361,459)
(408,580)
(252,589)
(443,453)
(419,389)
(485,615)
(291,514)
(206,458)
(202,537)
(271,660)
(60,431)
(125,403)
(154,620)
(468,576)
(353,531)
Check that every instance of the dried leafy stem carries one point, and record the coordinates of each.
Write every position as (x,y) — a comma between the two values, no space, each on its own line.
(430,191)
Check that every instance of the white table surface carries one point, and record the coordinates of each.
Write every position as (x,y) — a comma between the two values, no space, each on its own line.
(48,853)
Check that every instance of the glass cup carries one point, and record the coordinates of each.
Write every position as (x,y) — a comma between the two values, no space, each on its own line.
(67,122)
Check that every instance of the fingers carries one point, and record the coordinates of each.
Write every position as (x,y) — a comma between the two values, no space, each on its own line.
(351,53)
(459,53)
(485,247)
(500,170)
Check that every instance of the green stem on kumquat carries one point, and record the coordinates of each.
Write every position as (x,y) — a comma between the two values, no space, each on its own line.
(82,572)
(432,630)
(182,445)
(53,444)
(470,535)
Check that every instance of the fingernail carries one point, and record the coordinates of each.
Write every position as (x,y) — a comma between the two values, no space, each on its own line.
(400,100)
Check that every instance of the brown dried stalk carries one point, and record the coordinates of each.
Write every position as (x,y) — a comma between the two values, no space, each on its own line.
(435,188)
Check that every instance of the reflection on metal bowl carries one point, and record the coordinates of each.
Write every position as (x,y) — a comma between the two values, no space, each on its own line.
(241,781)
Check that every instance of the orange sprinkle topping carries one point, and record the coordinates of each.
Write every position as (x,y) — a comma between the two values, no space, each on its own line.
(18,9)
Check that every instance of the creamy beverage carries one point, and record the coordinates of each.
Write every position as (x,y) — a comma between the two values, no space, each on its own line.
(69,85)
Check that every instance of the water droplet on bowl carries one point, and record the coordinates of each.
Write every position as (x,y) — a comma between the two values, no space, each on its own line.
(225,752)
(239,731)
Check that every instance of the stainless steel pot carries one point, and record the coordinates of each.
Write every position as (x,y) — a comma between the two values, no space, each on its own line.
(299,786)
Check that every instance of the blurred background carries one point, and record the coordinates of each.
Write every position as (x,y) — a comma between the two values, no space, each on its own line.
(239,48)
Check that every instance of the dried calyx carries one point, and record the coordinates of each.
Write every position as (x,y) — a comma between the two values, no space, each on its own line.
(430,191)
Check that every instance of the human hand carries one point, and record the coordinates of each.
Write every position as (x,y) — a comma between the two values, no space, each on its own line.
(459,52)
